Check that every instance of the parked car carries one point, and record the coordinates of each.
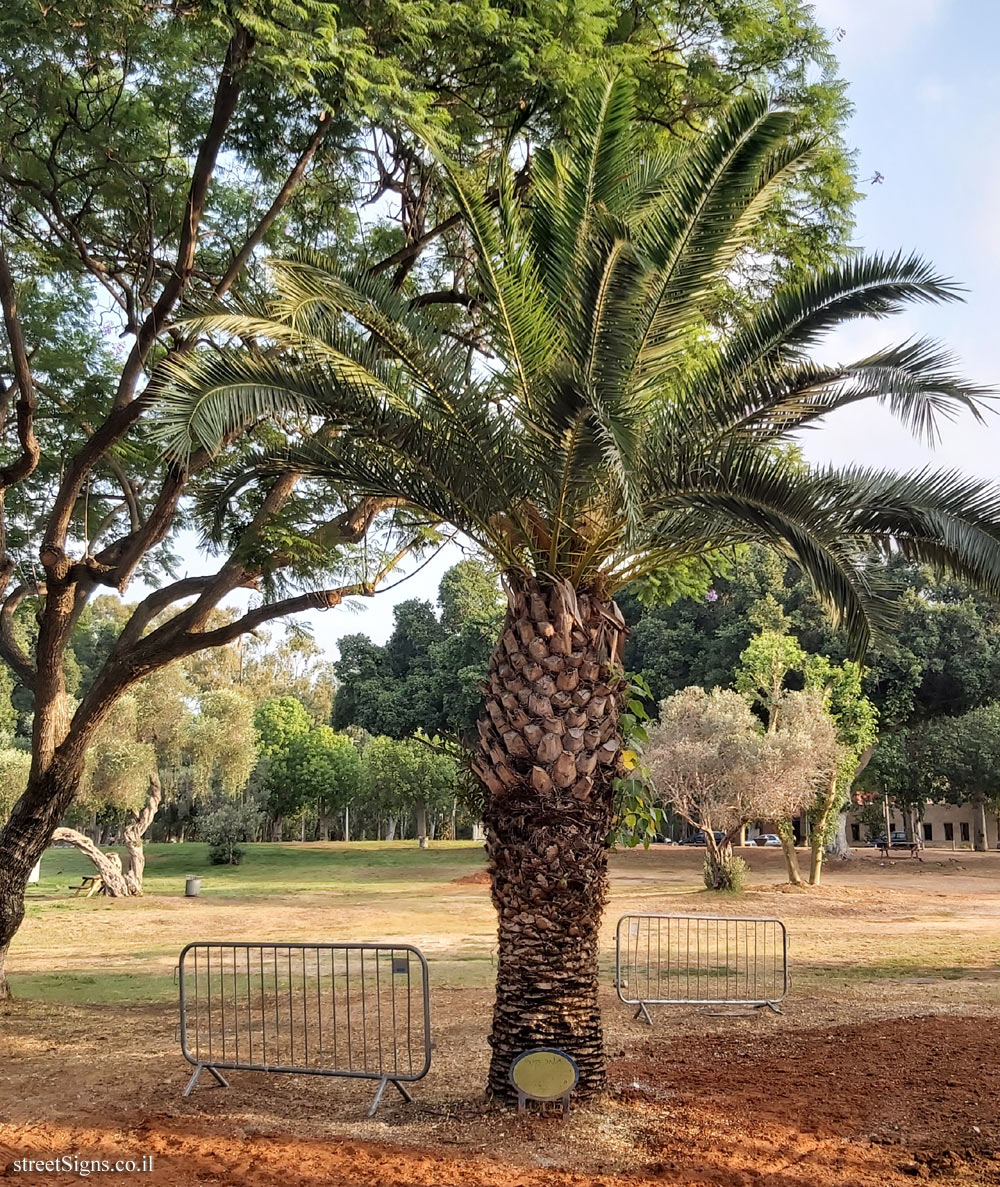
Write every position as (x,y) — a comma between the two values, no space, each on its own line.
(898,838)
(698,838)
(769,840)
(660,839)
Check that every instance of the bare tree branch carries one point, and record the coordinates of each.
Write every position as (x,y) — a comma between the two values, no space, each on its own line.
(25,406)
(9,647)
(127,408)
(279,203)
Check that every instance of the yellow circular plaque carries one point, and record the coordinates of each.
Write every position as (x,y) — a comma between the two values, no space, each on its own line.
(544,1073)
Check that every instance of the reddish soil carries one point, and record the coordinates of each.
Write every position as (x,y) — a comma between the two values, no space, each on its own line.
(855,1106)
(479,878)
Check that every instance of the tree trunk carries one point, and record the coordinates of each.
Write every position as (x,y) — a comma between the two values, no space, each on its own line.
(841,845)
(548,752)
(390,828)
(979,842)
(108,865)
(420,818)
(347,822)
(786,833)
(136,829)
(823,829)
(25,836)
(718,863)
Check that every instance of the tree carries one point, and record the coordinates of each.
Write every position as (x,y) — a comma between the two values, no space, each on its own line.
(278,722)
(856,721)
(613,433)
(226,829)
(125,133)
(408,777)
(319,770)
(771,662)
(14,767)
(718,768)
(429,674)
(138,743)
(121,134)
(951,759)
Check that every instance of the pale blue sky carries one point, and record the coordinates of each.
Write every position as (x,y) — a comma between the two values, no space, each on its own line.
(923,78)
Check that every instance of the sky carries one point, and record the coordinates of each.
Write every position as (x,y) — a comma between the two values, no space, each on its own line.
(925,88)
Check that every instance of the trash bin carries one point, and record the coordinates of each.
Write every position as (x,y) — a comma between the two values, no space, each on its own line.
(192,888)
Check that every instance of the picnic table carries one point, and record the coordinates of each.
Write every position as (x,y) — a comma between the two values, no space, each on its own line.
(90,885)
(913,847)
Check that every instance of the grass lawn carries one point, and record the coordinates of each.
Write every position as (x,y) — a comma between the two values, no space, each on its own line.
(292,868)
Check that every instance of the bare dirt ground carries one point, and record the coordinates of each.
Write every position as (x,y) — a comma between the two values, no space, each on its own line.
(885,1067)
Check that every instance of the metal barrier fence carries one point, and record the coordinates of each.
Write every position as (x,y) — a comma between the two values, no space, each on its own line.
(700,960)
(355,1010)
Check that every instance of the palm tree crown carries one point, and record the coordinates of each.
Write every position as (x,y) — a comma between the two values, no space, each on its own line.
(628,417)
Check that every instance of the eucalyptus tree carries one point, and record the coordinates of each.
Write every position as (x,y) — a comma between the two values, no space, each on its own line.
(628,419)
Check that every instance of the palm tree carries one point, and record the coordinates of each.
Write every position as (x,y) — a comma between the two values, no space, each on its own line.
(631,415)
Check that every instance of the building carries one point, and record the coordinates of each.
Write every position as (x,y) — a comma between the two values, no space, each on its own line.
(944,826)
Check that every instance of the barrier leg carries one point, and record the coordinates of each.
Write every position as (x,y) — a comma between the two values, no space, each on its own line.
(643,1012)
(201,1067)
(194,1080)
(771,1006)
(378,1096)
(382,1085)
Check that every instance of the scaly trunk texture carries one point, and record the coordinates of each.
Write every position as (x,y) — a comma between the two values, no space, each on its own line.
(548,753)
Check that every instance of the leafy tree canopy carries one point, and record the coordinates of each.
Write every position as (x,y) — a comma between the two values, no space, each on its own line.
(428,675)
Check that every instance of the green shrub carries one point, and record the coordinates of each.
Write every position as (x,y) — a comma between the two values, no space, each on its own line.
(731,875)
(226,829)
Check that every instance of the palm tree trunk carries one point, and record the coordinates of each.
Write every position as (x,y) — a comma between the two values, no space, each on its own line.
(548,753)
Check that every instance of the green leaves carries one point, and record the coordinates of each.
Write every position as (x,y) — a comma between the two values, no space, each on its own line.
(629,418)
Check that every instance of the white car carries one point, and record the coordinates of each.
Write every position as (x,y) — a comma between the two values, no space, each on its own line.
(769,840)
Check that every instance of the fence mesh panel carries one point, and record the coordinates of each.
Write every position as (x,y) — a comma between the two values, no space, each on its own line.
(701,960)
(357,1010)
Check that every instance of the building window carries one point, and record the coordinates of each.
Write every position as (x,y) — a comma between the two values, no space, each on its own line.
(949,832)
(855,832)
(928,832)
(965,832)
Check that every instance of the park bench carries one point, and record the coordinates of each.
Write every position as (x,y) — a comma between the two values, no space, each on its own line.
(92,884)
(912,847)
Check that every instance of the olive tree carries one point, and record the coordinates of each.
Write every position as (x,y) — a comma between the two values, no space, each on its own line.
(711,759)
